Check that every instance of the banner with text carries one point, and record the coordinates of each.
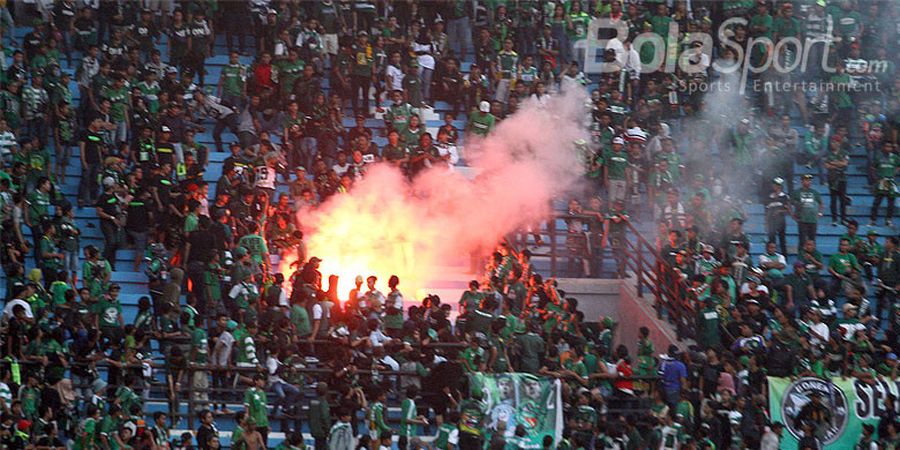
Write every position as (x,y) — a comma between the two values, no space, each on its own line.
(850,402)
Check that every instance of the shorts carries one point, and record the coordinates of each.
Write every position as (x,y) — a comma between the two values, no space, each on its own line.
(70,260)
(140,241)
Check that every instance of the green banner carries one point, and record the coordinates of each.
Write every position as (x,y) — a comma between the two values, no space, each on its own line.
(850,401)
(513,399)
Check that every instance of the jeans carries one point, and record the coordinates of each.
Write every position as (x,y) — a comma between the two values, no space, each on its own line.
(838,193)
(358,83)
(308,146)
(121,132)
(287,393)
(459,35)
(425,76)
(775,228)
(37,127)
(807,232)
(876,202)
(229,121)
(111,241)
(87,187)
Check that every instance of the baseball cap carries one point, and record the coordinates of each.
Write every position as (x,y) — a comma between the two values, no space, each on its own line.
(231,325)
(299,169)
(891,356)
(165,129)
(484,106)
(315,259)
(240,251)
(619,140)
(778,180)
(808,176)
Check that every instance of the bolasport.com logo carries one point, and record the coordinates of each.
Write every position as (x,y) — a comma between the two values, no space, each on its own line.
(788,56)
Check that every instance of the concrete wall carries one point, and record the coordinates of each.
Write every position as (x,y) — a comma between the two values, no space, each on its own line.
(618,299)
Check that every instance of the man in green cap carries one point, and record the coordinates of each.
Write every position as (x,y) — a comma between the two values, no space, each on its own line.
(807,208)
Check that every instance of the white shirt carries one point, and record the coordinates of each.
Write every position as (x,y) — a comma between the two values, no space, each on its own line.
(820,329)
(395,75)
(224,355)
(451,150)
(317,311)
(8,309)
(377,338)
(777,258)
(426,60)
(272,365)
(341,170)
(390,362)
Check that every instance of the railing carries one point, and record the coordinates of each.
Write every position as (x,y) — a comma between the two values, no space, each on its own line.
(637,256)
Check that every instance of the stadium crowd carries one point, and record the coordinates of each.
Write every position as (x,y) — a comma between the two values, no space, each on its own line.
(119,93)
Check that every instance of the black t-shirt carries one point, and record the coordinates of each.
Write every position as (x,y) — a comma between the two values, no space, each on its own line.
(203,244)
(138,216)
(109,204)
(93,146)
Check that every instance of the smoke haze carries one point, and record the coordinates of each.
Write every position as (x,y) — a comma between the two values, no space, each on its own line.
(388,225)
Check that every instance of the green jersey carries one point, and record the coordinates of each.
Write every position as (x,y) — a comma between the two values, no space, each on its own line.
(255,403)
(256,247)
(108,312)
(886,165)
(398,117)
(233,79)
(300,319)
(447,434)
(481,123)
(119,100)
(507,62)
(708,328)
(843,263)
(50,264)
(288,73)
(150,92)
(200,344)
(806,203)
(616,163)
(407,413)
(580,23)
(377,424)
(38,206)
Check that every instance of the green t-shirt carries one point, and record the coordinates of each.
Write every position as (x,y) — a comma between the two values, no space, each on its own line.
(200,343)
(233,78)
(443,436)
(39,205)
(300,319)
(108,312)
(843,263)
(376,419)
(119,100)
(481,123)
(579,28)
(255,403)
(886,165)
(806,202)
(407,413)
(708,323)
(256,247)
(616,163)
(48,246)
